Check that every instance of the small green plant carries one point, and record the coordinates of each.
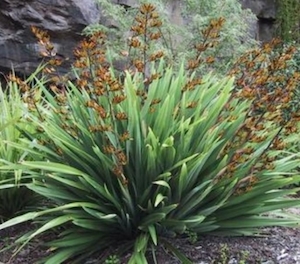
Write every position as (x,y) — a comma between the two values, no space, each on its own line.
(243,257)
(192,236)
(223,257)
(112,259)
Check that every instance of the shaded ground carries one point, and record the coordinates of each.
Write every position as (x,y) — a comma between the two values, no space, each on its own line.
(280,246)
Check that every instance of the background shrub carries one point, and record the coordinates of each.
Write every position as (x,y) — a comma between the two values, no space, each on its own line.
(288,20)
(181,34)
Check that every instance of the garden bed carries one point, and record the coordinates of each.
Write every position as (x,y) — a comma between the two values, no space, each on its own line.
(278,246)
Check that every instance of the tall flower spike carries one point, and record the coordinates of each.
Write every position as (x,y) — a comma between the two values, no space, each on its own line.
(146,31)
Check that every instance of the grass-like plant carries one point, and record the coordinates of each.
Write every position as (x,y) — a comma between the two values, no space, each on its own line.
(141,170)
(139,157)
(14,196)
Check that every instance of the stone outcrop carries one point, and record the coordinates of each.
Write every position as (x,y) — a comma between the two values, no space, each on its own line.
(265,11)
(65,20)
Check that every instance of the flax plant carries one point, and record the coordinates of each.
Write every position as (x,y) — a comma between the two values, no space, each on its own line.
(269,77)
(138,157)
(14,196)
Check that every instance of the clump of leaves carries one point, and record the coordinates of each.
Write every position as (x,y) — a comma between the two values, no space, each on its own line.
(112,259)
(145,155)
(14,195)
(223,255)
(192,236)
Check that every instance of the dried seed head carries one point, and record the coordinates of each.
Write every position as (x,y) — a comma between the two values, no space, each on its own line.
(109,149)
(135,42)
(139,64)
(121,116)
(125,136)
(118,99)
(192,104)
(155,101)
(147,8)
(122,159)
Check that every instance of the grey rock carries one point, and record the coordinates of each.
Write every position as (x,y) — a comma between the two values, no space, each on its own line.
(63,19)
(265,10)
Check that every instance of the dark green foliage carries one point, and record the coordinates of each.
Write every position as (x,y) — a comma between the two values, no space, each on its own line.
(288,20)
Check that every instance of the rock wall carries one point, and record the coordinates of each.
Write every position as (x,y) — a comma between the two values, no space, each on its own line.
(265,10)
(65,20)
